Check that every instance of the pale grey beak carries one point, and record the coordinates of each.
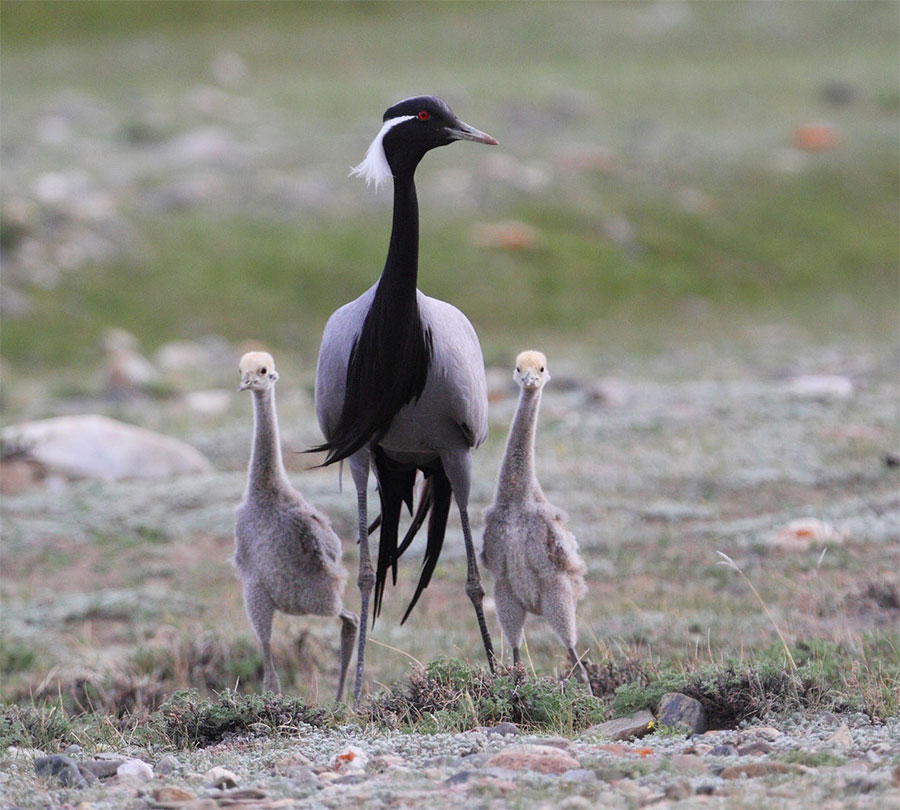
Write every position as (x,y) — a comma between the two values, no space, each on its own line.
(463,132)
(245,383)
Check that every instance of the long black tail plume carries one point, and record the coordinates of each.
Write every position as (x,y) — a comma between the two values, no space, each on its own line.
(425,498)
(388,368)
(442,494)
(395,488)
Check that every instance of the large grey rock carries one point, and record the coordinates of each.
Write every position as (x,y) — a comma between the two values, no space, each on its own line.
(95,446)
(60,768)
(625,728)
(680,711)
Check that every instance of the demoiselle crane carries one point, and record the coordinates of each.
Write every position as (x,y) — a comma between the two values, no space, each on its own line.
(400,382)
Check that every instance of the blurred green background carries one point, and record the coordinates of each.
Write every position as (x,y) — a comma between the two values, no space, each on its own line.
(180,169)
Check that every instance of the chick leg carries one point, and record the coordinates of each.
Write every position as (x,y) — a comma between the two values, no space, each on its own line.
(260,610)
(349,625)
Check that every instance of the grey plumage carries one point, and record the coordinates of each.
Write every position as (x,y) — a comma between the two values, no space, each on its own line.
(527,546)
(287,556)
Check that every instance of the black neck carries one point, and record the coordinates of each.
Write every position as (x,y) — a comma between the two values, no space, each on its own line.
(402,264)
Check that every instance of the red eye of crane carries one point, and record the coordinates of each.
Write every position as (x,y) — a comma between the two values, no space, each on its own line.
(423,115)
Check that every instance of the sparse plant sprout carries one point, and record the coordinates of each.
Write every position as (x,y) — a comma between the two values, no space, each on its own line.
(727,561)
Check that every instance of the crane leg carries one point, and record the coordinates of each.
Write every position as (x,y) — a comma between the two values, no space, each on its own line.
(366,579)
(458,467)
(474,589)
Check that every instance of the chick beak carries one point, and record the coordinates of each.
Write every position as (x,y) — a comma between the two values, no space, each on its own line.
(245,383)
(463,132)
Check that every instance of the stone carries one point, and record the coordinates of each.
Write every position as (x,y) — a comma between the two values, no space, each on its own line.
(172,794)
(688,764)
(219,777)
(895,775)
(754,749)
(350,760)
(801,534)
(699,748)
(767,733)
(821,386)
(540,758)
(201,804)
(841,737)
(502,729)
(555,742)
(127,372)
(167,764)
(302,775)
(815,136)
(616,749)
(754,769)
(61,769)
(74,748)
(135,769)
(580,775)
(625,728)
(724,750)
(510,235)
(89,777)
(679,791)
(351,778)
(386,761)
(95,446)
(680,711)
(101,768)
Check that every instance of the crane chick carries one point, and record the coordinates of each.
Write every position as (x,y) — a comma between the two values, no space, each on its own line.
(286,554)
(532,555)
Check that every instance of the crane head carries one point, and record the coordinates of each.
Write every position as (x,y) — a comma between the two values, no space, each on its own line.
(531,370)
(409,129)
(257,371)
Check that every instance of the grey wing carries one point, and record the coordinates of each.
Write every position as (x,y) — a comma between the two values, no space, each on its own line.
(341,332)
(561,546)
(316,540)
(457,366)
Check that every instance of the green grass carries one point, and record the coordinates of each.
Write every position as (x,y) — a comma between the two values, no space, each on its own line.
(545,79)
(793,242)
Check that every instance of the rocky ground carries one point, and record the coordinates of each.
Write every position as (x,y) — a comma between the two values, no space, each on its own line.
(828,762)
(781,458)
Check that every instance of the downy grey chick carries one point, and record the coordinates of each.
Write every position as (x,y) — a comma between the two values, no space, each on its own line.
(532,555)
(286,554)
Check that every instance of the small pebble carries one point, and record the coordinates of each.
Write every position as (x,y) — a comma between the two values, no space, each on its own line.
(167,764)
(679,791)
(725,750)
(136,769)
(219,777)
(755,749)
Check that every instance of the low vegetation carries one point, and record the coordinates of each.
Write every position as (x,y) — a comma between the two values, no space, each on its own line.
(450,695)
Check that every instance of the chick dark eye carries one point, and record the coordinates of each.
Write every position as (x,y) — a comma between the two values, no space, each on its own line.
(518,369)
(542,369)
(423,115)
(263,370)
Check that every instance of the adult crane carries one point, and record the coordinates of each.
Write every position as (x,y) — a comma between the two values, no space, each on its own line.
(400,383)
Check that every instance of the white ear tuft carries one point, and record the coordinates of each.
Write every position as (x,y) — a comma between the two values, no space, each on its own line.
(374,167)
